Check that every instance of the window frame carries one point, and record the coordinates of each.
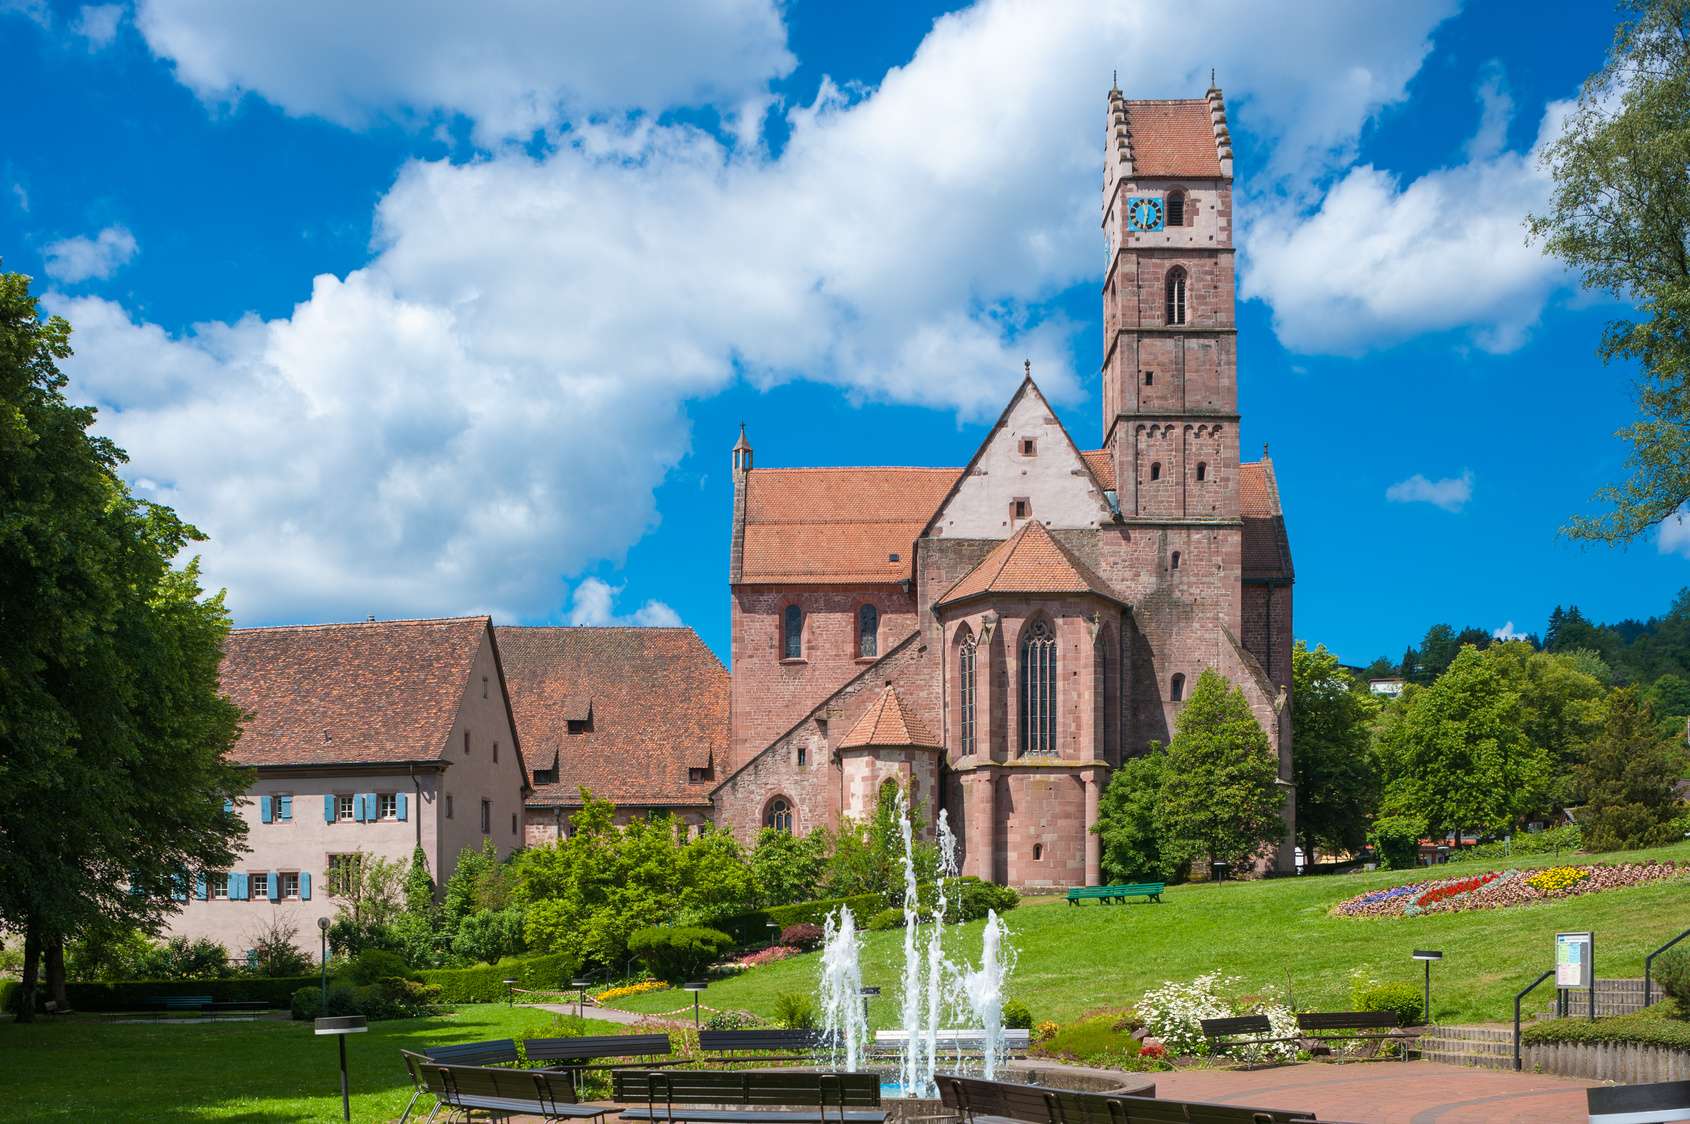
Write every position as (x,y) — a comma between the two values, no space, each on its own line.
(258,885)
(339,871)
(1174,210)
(217,886)
(868,631)
(968,692)
(287,877)
(1175,308)
(1176,687)
(1202,471)
(387,805)
(792,631)
(345,807)
(780,814)
(1038,674)
(486,817)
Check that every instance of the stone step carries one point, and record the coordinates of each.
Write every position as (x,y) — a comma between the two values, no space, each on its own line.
(1470,1033)
(1478,1061)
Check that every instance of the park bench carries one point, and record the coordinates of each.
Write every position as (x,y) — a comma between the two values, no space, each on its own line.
(1352,1026)
(713,1096)
(1106,895)
(565,1053)
(498,1051)
(234,1007)
(956,1043)
(1624,1104)
(178,1002)
(500,1092)
(973,1097)
(734,1045)
(1222,1033)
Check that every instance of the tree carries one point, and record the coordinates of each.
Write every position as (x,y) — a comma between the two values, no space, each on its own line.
(1437,652)
(1619,214)
(1670,695)
(1562,708)
(1458,754)
(1221,798)
(113,733)
(787,868)
(1629,779)
(1331,757)
(1126,821)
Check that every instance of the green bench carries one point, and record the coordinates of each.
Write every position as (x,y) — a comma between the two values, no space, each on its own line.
(1151,891)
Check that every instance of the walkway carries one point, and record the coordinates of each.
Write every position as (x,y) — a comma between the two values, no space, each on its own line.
(604,1014)
(1391,1092)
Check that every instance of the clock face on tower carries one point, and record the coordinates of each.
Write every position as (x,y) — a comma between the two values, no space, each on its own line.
(1144,212)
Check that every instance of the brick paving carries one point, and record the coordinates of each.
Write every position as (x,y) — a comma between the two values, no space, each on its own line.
(1391,1092)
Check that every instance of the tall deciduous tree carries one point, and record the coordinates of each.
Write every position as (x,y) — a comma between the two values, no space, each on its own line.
(1331,756)
(1221,798)
(1620,216)
(1126,821)
(1629,778)
(113,734)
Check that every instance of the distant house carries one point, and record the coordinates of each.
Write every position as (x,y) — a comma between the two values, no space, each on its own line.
(1390,686)
(367,739)
(637,716)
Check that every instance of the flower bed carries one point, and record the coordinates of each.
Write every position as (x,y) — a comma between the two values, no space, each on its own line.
(765,956)
(1499,889)
(630,989)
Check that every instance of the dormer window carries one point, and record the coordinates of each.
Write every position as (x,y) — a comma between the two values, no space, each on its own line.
(1176,209)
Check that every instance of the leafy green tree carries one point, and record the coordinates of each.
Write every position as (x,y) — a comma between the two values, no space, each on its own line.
(787,868)
(1630,779)
(1221,798)
(113,733)
(1620,215)
(1437,651)
(1458,753)
(1562,708)
(1331,753)
(1126,821)
(1670,695)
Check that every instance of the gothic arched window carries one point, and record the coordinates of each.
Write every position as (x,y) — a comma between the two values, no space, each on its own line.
(792,633)
(965,688)
(778,814)
(868,632)
(1176,688)
(1175,209)
(1176,295)
(1038,689)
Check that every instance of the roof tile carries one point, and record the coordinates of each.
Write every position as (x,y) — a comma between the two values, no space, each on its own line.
(887,723)
(1029,561)
(837,525)
(1173,138)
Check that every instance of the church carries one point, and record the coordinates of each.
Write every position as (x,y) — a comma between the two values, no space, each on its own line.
(998,637)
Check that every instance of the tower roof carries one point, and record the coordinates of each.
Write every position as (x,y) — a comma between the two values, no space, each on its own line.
(1029,561)
(886,722)
(742,444)
(1169,137)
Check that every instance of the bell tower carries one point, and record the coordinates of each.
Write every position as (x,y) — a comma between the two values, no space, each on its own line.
(1170,348)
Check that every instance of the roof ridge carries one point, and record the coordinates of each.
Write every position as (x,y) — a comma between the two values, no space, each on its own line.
(326,625)
(854,468)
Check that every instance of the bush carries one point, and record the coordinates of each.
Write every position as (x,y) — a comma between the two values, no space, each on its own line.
(974,897)
(891,917)
(1672,973)
(132,995)
(1404,1000)
(802,935)
(1016,1016)
(274,950)
(1555,840)
(307,1003)
(732,1020)
(1397,839)
(375,964)
(485,983)
(678,954)
(752,927)
(489,934)
(796,1010)
(391,998)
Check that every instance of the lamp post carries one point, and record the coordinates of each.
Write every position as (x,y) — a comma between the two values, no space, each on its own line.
(774,933)
(340,1028)
(1426,956)
(695,987)
(580,986)
(510,992)
(323,929)
(868,991)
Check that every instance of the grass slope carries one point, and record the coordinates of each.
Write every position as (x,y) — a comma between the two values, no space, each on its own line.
(1274,933)
(85,1069)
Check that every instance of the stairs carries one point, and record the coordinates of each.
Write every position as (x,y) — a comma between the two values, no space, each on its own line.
(1489,1047)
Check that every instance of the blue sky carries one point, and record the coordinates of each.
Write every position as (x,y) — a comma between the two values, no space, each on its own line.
(446,312)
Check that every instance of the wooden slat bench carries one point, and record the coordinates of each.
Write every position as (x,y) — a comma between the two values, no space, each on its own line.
(1363,1026)
(733,1045)
(707,1096)
(501,1092)
(178,1002)
(496,1051)
(1223,1033)
(956,1043)
(1107,895)
(553,1051)
(235,1007)
(973,1097)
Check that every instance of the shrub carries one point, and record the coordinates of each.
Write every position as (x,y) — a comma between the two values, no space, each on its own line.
(1672,973)
(390,998)
(752,926)
(485,983)
(307,1003)
(1016,1016)
(488,934)
(1397,839)
(375,964)
(969,898)
(796,1010)
(1404,1000)
(1554,840)
(891,917)
(732,1020)
(805,934)
(132,995)
(274,949)
(1173,1012)
(678,954)
(765,956)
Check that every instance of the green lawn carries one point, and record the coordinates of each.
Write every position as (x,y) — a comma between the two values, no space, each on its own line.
(83,1068)
(1274,932)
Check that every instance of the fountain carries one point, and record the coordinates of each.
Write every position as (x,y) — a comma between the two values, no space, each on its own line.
(939,996)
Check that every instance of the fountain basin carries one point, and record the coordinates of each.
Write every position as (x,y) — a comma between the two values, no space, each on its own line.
(1045,1074)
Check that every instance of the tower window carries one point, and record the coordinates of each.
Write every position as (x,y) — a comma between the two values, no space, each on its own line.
(1020,508)
(868,632)
(1176,688)
(1176,296)
(1202,471)
(965,687)
(778,815)
(792,633)
(1038,851)
(1174,562)
(1038,689)
(1176,209)
(1029,447)
(803,755)
(1155,470)
(1149,378)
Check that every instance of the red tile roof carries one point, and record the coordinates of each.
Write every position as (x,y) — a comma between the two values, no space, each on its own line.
(838,526)
(1029,561)
(1267,549)
(658,700)
(369,692)
(887,723)
(1172,138)
(1102,465)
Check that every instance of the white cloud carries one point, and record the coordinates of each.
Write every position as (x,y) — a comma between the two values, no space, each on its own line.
(512,66)
(492,399)
(1450,493)
(1379,260)
(35,11)
(1496,112)
(1675,533)
(594,603)
(20,195)
(97,23)
(70,260)
(1507,632)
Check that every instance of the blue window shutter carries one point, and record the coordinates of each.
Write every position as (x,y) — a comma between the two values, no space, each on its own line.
(305,885)
(328,808)
(275,886)
(264,809)
(370,807)
(228,805)
(284,808)
(358,806)
(199,886)
(246,887)
(399,805)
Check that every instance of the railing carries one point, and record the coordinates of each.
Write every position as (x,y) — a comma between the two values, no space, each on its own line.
(1518,999)
(1649,967)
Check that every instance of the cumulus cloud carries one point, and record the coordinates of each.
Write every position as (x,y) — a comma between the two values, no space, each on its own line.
(1675,533)
(1507,632)
(71,260)
(97,23)
(1451,493)
(1380,260)
(511,66)
(492,399)
(594,603)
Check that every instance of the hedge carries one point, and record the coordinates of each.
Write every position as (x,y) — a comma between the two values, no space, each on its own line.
(1656,1026)
(485,983)
(678,954)
(132,995)
(751,929)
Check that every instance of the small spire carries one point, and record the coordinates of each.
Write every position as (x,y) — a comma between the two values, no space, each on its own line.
(1264,450)
(1115,81)
(1027,367)
(1211,78)
(742,443)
